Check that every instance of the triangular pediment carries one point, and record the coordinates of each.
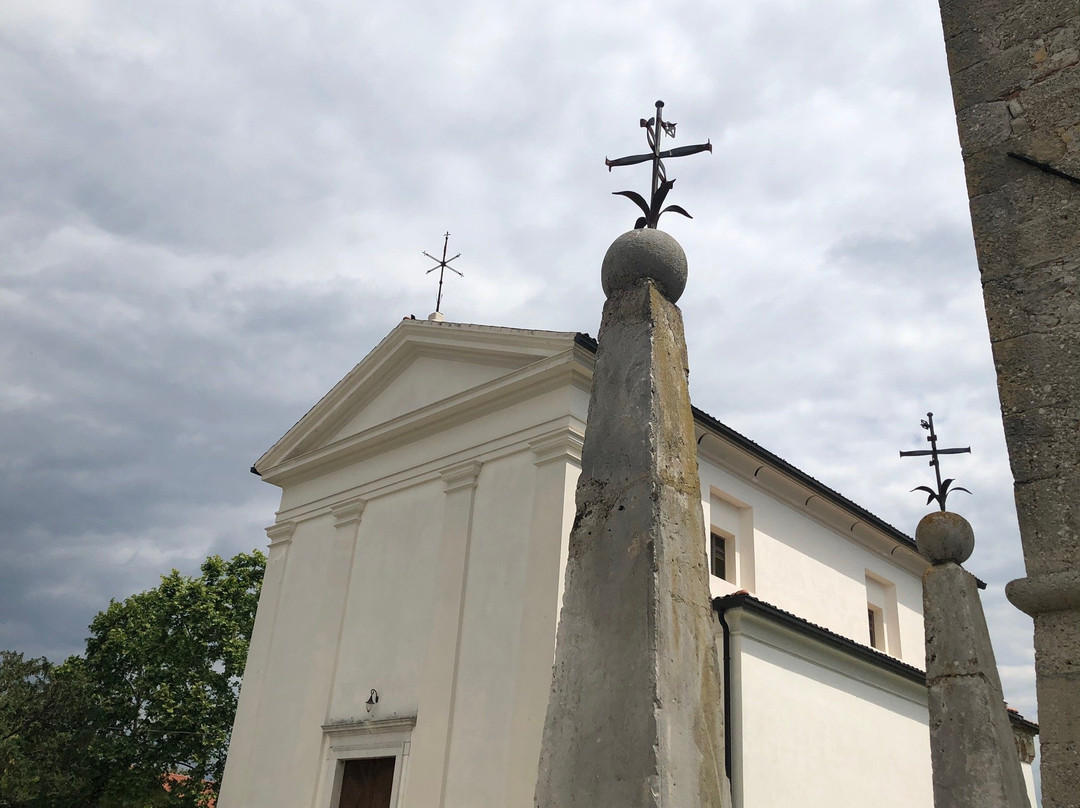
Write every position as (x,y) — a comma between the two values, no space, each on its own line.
(416,367)
(424,380)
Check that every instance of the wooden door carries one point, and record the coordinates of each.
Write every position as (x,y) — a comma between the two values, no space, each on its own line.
(367,783)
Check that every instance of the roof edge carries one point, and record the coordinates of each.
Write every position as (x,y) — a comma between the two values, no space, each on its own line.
(876,658)
(700,416)
(802,477)
(745,600)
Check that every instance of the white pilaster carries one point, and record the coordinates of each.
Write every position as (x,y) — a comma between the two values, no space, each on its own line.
(238,767)
(346,516)
(438,686)
(558,461)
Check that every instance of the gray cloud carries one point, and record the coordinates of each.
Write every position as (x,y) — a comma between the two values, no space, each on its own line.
(213,211)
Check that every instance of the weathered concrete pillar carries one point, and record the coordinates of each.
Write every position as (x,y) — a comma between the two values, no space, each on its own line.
(1015,71)
(635,716)
(972,749)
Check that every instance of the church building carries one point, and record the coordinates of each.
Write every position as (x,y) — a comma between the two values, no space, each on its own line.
(402,652)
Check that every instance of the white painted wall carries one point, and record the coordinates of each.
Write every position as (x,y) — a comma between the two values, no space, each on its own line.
(806,567)
(815,727)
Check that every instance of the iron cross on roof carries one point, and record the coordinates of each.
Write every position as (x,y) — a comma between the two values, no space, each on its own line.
(442,265)
(655,128)
(943,487)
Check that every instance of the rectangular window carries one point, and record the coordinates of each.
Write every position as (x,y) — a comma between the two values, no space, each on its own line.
(367,783)
(882,614)
(718,561)
(877,635)
(729,543)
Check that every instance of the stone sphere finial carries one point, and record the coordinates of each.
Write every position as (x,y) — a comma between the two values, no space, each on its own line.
(645,253)
(943,536)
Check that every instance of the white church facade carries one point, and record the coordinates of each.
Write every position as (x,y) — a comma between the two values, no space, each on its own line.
(403,647)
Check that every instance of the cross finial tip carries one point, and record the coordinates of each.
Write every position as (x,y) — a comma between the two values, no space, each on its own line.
(656,128)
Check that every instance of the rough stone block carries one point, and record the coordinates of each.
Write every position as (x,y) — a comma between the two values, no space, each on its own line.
(1036,301)
(996,78)
(1040,371)
(1060,768)
(983,125)
(972,749)
(1015,22)
(957,640)
(976,30)
(1046,452)
(991,169)
(1060,689)
(1058,655)
(1050,527)
(1027,223)
(1051,101)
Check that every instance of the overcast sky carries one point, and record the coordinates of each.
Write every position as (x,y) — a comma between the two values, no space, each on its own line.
(211,211)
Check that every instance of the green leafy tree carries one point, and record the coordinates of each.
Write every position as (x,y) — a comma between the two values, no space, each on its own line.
(147,712)
(44,732)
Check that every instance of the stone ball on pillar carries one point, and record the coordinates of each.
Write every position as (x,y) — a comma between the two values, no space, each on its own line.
(645,253)
(943,536)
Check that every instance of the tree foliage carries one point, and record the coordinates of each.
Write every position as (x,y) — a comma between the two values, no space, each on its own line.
(149,705)
(44,734)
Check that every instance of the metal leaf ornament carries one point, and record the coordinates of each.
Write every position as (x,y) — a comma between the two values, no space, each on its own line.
(945,491)
(653,212)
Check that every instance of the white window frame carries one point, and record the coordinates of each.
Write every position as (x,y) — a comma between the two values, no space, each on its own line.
(881,597)
(354,740)
(734,520)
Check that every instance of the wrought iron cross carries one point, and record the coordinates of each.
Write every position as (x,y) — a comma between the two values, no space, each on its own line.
(442,265)
(655,128)
(943,487)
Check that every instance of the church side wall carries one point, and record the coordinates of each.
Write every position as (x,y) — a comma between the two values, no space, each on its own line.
(812,570)
(807,715)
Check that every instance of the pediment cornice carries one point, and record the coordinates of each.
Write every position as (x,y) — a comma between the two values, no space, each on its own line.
(412,339)
(572,366)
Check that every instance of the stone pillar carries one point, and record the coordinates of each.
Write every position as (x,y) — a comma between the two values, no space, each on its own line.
(1015,71)
(974,755)
(635,718)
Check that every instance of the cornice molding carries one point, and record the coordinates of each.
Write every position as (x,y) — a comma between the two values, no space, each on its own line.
(460,475)
(563,444)
(505,391)
(348,512)
(281,532)
(371,726)
(813,503)
(430,470)
(408,340)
